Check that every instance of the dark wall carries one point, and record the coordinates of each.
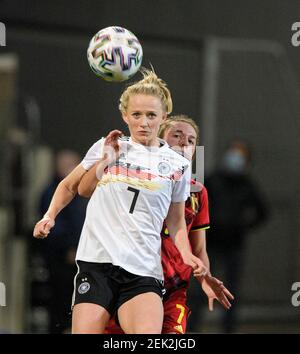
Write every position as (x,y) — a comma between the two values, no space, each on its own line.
(76,106)
(51,38)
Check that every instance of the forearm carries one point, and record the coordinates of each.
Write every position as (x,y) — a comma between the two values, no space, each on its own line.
(204,257)
(197,240)
(198,243)
(177,227)
(90,180)
(62,196)
(177,230)
(65,192)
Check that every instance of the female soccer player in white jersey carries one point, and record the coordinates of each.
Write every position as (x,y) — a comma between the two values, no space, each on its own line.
(182,134)
(139,182)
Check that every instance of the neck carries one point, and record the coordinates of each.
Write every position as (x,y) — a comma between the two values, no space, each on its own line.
(153,142)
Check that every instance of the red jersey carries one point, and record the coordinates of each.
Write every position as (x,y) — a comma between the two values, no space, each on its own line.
(176,273)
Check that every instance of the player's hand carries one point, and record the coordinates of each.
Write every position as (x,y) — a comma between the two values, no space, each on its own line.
(111,146)
(215,290)
(198,266)
(43,227)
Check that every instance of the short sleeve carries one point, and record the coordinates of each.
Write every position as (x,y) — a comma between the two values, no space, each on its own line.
(181,189)
(93,155)
(201,220)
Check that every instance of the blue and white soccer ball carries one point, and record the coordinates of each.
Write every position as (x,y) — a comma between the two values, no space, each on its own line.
(115,54)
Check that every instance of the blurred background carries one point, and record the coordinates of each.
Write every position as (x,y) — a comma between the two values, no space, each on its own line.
(229,64)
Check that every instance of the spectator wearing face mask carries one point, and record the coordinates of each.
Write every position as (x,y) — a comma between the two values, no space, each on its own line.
(236,206)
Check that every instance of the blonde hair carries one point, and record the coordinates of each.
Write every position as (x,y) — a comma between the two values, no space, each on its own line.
(170,121)
(152,85)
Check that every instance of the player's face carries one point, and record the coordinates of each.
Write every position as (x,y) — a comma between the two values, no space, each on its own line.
(182,137)
(144,116)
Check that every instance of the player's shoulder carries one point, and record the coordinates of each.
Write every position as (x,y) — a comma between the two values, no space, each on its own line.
(102,139)
(198,187)
(99,141)
(96,145)
(197,184)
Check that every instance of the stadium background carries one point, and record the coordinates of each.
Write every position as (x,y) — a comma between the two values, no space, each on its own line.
(230,64)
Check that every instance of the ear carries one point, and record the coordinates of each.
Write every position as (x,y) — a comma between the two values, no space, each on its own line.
(164,117)
(124,116)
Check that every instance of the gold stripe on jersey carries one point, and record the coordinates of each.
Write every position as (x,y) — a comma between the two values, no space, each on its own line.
(194,203)
(200,228)
(146,184)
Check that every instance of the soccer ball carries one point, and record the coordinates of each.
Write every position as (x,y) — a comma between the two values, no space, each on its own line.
(115,54)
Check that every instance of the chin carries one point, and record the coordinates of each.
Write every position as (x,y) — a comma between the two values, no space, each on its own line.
(144,140)
(141,140)
(180,151)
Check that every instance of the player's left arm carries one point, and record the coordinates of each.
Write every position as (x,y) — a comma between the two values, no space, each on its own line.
(198,243)
(177,228)
(213,287)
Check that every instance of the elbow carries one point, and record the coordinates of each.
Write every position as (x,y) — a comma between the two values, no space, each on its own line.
(83,192)
(67,186)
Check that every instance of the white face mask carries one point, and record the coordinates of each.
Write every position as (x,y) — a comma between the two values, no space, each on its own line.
(234,162)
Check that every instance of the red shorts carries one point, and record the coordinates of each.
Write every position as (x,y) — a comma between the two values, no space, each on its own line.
(113,328)
(176,312)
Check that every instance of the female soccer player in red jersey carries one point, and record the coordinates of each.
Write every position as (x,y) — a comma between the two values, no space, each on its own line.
(182,133)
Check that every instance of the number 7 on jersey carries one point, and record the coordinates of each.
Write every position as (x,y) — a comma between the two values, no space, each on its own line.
(136,194)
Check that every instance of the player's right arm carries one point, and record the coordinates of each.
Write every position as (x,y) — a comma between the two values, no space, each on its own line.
(63,195)
(68,187)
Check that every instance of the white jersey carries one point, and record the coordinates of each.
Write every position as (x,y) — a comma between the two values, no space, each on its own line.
(125,214)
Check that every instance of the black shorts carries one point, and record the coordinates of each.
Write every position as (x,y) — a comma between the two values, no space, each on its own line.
(110,286)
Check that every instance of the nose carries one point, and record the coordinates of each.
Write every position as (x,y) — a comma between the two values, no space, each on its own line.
(184,141)
(144,121)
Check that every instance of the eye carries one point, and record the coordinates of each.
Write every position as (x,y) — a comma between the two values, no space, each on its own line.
(135,114)
(192,142)
(152,115)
